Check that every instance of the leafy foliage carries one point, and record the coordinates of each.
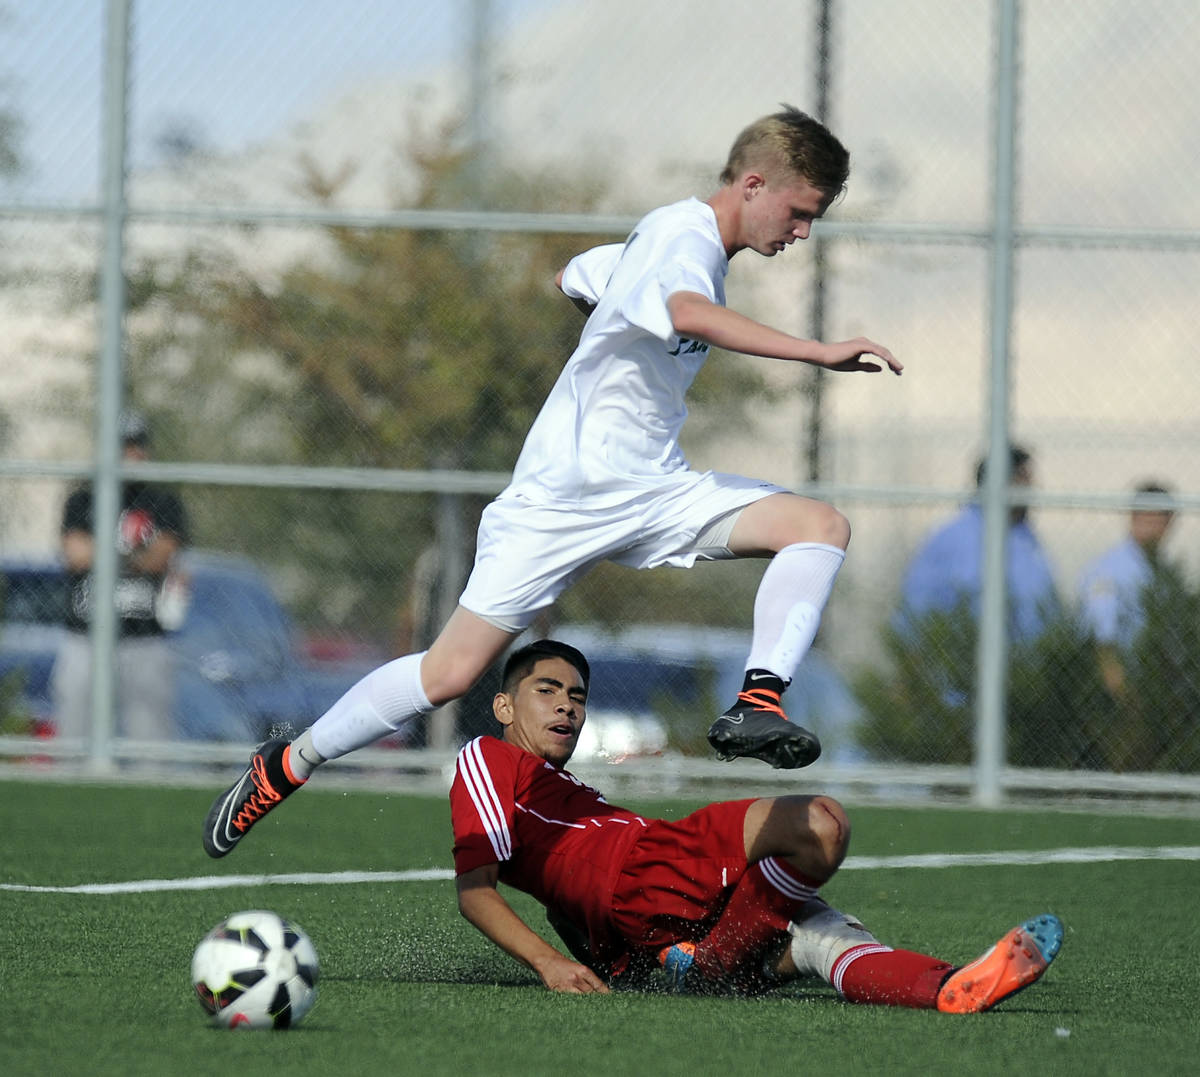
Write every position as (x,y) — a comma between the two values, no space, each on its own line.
(1060,714)
(1162,705)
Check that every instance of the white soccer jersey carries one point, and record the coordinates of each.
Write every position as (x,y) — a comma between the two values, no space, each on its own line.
(602,476)
(611,424)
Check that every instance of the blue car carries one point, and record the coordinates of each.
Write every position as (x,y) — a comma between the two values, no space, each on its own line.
(240,670)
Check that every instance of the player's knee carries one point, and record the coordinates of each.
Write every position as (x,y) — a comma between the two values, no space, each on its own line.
(830,827)
(837,529)
(820,523)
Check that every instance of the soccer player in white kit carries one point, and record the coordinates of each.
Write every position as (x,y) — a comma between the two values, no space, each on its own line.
(602,476)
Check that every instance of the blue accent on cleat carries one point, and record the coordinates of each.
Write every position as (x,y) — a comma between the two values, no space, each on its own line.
(1046,932)
(677,962)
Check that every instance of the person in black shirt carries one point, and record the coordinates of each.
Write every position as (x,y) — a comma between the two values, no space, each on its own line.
(151,530)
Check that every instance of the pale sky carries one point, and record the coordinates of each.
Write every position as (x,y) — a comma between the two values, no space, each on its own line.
(236,72)
(1109,116)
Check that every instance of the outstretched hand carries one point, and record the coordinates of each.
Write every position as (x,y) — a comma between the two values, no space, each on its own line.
(848,355)
(571,978)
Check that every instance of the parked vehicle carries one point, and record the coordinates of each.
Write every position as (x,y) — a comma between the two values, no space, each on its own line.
(241,667)
(656,688)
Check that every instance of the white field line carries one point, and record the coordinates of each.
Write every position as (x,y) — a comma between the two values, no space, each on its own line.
(1022,858)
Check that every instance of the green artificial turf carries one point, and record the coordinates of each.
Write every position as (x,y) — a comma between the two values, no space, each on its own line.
(98,983)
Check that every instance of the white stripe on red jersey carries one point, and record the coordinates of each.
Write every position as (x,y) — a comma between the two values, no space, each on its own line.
(478,782)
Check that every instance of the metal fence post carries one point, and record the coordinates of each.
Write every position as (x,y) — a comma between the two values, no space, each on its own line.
(106,488)
(992,655)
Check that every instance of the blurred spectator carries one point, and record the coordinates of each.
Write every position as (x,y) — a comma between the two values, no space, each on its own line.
(947,570)
(1111,586)
(151,530)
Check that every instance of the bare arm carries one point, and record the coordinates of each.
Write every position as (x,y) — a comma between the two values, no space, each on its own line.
(484,906)
(698,318)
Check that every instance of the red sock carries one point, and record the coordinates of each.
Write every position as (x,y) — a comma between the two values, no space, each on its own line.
(765,899)
(877,974)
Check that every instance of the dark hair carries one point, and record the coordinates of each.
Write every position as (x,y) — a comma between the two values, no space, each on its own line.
(1017,457)
(792,142)
(521,662)
(1159,500)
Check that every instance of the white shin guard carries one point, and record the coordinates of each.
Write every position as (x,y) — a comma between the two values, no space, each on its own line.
(787,609)
(821,936)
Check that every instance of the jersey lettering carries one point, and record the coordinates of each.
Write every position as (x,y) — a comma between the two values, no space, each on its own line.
(688,347)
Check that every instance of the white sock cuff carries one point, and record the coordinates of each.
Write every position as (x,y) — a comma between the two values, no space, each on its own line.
(837,551)
(833,558)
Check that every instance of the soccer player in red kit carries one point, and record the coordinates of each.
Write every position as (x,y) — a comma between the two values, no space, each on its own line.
(723,898)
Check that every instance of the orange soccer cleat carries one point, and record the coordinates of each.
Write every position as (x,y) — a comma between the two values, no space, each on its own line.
(1015,962)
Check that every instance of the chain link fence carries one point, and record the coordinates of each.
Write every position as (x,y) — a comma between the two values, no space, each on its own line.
(338,238)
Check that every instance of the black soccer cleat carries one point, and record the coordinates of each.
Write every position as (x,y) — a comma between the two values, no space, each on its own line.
(756,726)
(263,785)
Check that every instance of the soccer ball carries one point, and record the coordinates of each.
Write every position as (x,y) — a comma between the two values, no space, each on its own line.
(255,970)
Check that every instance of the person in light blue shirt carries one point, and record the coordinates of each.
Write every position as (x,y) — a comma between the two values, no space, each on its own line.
(1111,585)
(947,569)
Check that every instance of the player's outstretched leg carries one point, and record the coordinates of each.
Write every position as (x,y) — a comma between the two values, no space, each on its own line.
(756,726)
(1015,962)
(264,784)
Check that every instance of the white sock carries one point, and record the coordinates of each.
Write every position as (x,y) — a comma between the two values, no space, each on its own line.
(787,608)
(384,701)
(302,757)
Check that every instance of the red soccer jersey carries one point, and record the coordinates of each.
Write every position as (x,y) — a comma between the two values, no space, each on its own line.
(553,837)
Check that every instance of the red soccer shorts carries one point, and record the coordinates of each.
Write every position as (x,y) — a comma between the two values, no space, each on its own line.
(679,875)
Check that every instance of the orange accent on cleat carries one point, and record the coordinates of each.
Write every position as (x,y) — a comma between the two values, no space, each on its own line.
(259,802)
(287,767)
(1015,962)
(263,784)
(757,726)
(764,699)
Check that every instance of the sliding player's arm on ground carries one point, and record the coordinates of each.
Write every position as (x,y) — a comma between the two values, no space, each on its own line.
(697,317)
(484,906)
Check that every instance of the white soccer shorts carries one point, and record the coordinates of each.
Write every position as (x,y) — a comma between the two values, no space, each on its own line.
(528,552)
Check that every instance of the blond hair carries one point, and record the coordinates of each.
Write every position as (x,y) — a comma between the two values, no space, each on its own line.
(790,143)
